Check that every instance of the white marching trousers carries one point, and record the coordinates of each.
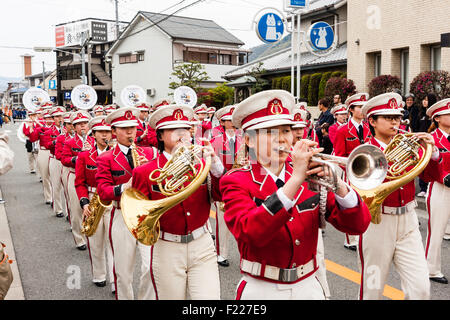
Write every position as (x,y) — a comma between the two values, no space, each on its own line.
(222,232)
(43,160)
(124,247)
(250,288)
(65,181)
(438,207)
(191,267)
(322,271)
(32,161)
(55,171)
(99,247)
(397,240)
(76,213)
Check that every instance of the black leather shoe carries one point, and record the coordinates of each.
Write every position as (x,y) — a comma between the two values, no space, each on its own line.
(224,263)
(60,215)
(48,202)
(213,237)
(353,248)
(442,280)
(100,284)
(82,248)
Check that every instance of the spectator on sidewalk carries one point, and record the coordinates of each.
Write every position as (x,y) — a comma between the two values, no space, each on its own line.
(6,163)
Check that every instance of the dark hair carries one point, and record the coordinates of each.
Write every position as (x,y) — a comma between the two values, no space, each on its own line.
(325,126)
(324,102)
(372,129)
(160,146)
(432,99)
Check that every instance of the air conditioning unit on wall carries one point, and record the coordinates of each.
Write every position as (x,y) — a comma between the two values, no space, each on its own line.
(151,92)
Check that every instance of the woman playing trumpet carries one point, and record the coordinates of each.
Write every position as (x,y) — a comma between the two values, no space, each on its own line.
(271,212)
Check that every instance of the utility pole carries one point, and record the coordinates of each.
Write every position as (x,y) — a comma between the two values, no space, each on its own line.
(43,75)
(117,18)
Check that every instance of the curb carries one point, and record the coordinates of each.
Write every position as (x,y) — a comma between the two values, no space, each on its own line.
(15,292)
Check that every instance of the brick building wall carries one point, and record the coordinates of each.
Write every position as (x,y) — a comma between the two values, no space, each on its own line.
(391,28)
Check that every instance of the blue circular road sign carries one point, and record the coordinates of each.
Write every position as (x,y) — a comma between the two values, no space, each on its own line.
(321,36)
(270,27)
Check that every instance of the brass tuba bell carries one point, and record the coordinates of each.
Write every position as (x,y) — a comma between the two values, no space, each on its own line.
(142,215)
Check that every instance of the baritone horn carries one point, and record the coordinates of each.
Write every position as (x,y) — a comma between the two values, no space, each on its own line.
(142,215)
(403,152)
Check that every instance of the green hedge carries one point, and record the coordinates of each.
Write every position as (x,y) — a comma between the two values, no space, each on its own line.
(304,84)
(313,89)
(323,83)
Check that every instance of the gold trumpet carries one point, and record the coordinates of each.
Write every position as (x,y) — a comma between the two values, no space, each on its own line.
(142,215)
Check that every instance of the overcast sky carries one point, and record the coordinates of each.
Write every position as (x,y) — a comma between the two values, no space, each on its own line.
(31,23)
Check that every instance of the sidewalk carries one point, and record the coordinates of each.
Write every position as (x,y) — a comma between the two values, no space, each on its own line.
(15,291)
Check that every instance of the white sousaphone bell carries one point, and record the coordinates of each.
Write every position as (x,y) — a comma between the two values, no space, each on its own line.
(84,97)
(32,99)
(132,95)
(185,96)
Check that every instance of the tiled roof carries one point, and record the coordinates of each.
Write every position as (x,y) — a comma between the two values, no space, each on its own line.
(282,60)
(191,28)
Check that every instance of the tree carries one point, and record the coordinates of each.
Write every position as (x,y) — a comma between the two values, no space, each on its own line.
(189,74)
(258,72)
(341,86)
(313,89)
(437,82)
(221,95)
(383,84)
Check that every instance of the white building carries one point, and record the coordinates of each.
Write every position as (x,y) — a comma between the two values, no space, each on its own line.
(153,44)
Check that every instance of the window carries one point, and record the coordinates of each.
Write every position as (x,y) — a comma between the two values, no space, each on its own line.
(404,70)
(377,64)
(225,59)
(128,58)
(435,58)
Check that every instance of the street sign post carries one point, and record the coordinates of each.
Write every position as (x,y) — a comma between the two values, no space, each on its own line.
(296,4)
(321,39)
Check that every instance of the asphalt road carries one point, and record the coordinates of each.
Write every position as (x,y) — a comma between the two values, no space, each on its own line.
(52,268)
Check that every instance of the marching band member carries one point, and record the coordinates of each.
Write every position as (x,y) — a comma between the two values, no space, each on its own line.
(55,165)
(340,114)
(205,127)
(184,258)
(271,212)
(86,187)
(210,116)
(80,142)
(114,172)
(42,134)
(298,128)
(350,136)
(438,190)
(110,108)
(32,147)
(68,134)
(226,146)
(98,110)
(397,238)
(145,136)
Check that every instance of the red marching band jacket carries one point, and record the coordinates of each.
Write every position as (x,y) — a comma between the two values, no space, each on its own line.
(221,146)
(439,171)
(149,140)
(347,140)
(186,216)
(43,135)
(268,234)
(333,130)
(60,142)
(113,170)
(72,148)
(54,134)
(85,171)
(402,196)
